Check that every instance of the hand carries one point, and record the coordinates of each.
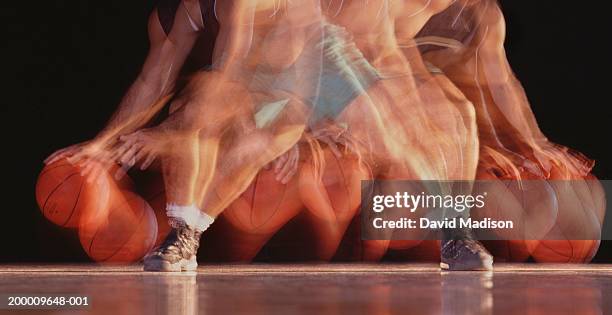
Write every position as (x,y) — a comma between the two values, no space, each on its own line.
(522,163)
(332,135)
(91,157)
(286,165)
(65,152)
(142,146)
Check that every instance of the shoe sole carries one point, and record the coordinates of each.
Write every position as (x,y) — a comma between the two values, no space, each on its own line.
(164,266)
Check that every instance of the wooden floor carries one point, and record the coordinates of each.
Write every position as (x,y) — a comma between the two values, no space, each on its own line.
(319,289)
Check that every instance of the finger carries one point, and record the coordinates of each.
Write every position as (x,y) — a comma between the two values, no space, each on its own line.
(87,166)
(283,172)
(99,169)
(131,162)
(55,154)
(96,173)
(290,174)
(55,158)
(287,169)
(121,172)
(141,155)
(77,159)
(118,152)
(106,159)
(288,178)
(275,165)
(92,163)
(280,163)
(349,146)
(130,155)
(150,159)
(333,147)
(295,156)
(58,155)
(127,166)
(122,149)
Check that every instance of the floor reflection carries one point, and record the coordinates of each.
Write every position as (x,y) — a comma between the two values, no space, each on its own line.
(172,294)
(353,289)
(570,293)
(467,292)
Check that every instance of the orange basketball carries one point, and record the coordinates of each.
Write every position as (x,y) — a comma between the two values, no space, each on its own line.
(508,250)
(565,251)
(126,233)
(404,244)
(426,251)
(582,207)
(265,206)
(63,195)
(153,191)
(332,200)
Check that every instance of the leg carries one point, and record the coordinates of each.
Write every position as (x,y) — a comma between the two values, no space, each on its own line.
(332,199)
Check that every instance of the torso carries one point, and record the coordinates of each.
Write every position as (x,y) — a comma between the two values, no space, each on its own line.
(380,27)
(273,32)
(202,52)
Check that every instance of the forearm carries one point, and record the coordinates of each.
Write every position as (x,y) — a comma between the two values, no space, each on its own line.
(154,85)
(480,69)
(503,111)
(137,107)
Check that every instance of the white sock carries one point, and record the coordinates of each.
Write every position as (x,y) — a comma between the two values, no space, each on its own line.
(204,221)
(191,215)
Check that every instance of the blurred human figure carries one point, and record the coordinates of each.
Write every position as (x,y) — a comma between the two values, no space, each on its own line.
(465,45)
(335,92)
(429,132)
(174,29)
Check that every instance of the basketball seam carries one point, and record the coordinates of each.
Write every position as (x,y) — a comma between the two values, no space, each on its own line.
(252,198)
(133,231)
(276,209)
(54,190)
(75,204)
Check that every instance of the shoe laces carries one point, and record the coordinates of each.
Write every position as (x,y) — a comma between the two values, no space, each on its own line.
(179,241)
(472,245)
(462,238)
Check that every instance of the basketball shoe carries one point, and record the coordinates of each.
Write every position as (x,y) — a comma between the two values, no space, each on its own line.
(177,252)
(460,251)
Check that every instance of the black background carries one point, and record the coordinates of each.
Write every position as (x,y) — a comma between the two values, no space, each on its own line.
(66,64)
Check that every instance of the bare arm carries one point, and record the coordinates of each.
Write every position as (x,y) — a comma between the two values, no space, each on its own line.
(144,98)
(159,73)
(233,44)
(482,72)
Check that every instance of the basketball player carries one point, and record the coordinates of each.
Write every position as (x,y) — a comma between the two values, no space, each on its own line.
(378,120)
(164,258)
(465,42)
(446,120)
(175,27)
(182,209)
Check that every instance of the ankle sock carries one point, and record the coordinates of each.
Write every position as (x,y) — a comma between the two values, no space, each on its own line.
(190,215)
